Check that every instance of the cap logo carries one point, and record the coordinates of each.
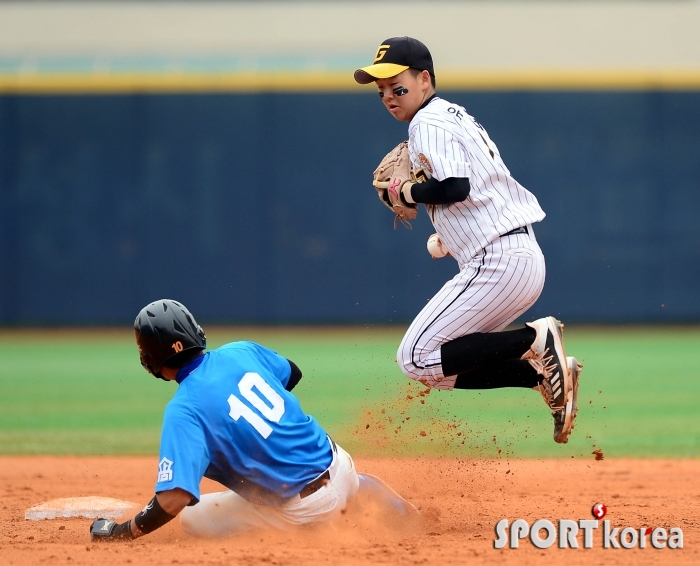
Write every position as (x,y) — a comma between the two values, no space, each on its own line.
(178,346)
(381,51)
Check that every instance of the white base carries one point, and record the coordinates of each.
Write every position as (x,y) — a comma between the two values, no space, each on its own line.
(89,507)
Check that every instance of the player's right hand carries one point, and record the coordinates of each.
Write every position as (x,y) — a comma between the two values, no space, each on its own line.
(106,530)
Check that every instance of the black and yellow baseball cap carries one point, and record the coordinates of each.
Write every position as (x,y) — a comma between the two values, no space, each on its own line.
(394,56)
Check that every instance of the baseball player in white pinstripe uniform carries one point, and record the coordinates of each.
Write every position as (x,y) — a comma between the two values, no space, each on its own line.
(483,218)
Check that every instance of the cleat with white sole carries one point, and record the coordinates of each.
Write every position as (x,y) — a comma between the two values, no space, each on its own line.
(548,357)
(565,416)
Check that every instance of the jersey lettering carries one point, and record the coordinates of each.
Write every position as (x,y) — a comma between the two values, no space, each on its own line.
(453,110)
(272,412)
(477,124)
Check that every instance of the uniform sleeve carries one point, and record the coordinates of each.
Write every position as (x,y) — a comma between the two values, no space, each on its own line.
(183,451)
(432,191)
(438,152)
(277,365)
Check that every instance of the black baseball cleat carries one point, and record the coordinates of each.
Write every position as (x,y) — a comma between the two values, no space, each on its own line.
(548,357)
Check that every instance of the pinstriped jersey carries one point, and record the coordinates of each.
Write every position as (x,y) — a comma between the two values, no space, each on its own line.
(444,141)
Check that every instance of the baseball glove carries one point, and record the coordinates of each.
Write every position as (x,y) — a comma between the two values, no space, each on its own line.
(392,175)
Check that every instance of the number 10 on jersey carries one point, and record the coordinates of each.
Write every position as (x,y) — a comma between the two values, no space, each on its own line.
(272,410)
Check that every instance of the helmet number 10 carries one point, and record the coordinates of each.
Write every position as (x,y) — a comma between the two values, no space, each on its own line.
(272,410)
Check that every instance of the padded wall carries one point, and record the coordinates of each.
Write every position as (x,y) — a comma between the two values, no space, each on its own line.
(259,207)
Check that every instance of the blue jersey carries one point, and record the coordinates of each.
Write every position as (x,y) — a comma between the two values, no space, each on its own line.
(232,420)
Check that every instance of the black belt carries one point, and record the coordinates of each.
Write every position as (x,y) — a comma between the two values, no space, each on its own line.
(314,485)
(521,230)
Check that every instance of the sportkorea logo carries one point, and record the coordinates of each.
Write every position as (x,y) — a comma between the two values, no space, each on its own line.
(165,470)
(544,534)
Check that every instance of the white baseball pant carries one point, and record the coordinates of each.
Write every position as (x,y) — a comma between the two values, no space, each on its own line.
(226,513)
(491,291)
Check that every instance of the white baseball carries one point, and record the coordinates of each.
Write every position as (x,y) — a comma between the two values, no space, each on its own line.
(436,248)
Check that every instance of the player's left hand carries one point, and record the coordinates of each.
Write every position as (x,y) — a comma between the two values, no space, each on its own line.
(391,177)
(106,530)
(396,192)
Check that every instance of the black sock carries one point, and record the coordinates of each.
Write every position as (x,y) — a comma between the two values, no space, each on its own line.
(475,350)
(508,373)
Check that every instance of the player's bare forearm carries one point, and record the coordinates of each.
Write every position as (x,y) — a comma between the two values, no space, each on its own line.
(174,500)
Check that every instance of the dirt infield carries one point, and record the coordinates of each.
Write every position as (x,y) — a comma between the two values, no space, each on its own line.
(461,501)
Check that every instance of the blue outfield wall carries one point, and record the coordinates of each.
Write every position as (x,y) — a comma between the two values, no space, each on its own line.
(259,207)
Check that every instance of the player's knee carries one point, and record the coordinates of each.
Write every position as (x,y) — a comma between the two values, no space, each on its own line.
(188,522)
(409,360)
(197,524)
(412,365)
(404,361)
(411,370)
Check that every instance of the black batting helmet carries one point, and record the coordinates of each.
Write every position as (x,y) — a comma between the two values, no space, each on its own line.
(165,329)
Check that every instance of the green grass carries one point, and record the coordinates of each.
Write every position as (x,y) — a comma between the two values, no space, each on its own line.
(85,393)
